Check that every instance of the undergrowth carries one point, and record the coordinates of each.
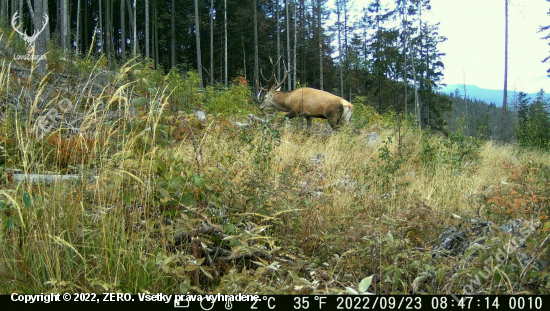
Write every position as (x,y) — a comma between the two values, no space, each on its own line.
(166,202)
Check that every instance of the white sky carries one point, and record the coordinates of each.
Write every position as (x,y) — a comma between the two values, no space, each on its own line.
(475,45)
(475,42)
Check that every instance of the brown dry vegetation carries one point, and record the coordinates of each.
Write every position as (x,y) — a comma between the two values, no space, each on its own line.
(267,208)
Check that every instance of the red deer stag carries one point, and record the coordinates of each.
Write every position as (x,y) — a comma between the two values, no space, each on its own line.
(306,102)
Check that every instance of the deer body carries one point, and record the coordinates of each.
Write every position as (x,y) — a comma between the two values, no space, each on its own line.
(309,103)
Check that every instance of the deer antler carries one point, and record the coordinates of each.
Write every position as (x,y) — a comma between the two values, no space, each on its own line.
(262,74)
(262,89)
(13,24)
(287,71)
(274,84)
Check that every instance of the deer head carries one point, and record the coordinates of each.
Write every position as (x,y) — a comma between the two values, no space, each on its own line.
(273,84)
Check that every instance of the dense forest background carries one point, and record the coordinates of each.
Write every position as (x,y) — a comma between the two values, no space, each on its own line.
(381,53)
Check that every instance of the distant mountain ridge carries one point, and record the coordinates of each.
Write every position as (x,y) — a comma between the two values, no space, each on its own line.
(486,95)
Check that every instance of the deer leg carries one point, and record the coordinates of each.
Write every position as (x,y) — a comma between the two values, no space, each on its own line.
(291,115)
(332,123)
(335,117)
(309,119)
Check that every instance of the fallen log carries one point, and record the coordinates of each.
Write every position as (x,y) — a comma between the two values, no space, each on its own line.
(44,178)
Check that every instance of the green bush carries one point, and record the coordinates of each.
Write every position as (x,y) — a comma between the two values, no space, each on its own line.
(235,100)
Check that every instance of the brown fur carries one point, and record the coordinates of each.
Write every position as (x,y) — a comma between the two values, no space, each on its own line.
(307,102)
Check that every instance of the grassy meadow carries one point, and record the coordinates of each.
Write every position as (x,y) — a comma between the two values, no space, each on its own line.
(167,203)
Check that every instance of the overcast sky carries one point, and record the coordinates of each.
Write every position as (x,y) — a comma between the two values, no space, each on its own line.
(475,45)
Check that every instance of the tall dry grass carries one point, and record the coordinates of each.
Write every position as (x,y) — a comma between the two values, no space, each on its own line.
(329,200)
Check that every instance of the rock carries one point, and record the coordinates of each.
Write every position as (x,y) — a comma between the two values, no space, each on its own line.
(201,115)
(319,158)
(372,137)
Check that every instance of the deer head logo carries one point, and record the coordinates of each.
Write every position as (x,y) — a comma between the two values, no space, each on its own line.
(28,40)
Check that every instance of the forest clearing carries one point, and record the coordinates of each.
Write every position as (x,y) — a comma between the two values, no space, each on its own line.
(120,175)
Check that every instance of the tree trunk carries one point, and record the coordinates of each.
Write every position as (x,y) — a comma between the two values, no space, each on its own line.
(277,7)
(295,41)
(86,39)
(340,58)
(13,8)
(64,26)
(346,47)
(225,41)
(304,41)
(21,11)
(147,45)
(100,36)
(404,40)
(505,96)
(156,34)
(198,41)
(3,14)
(211,42)
(288,81)
(135,29)
(256,62)
(244,55)
(122,32)
(108,33)
(173,34)
(40,43)
(320,30)
(416,101)
(29,5)
(77,33)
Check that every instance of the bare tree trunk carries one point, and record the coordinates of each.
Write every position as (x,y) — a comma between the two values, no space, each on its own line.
(295,41)
(505,96)
(198,41)
(212,42)
(320,30)
(108,33)
(404,40)
(21,11)
(340,58)
(156,34)
(346,47)
(244,54)
(64,25)
(225,41)
(122,32)
(173,34)
(4,10)
(277,7)
(147,43)
(40,43)
(100,37)
(135,28)
(86,38)
(77,33)
(3,14)
(302,36)
(256,62)
(13,8)
(416,101)
(29,5)
(289,81)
